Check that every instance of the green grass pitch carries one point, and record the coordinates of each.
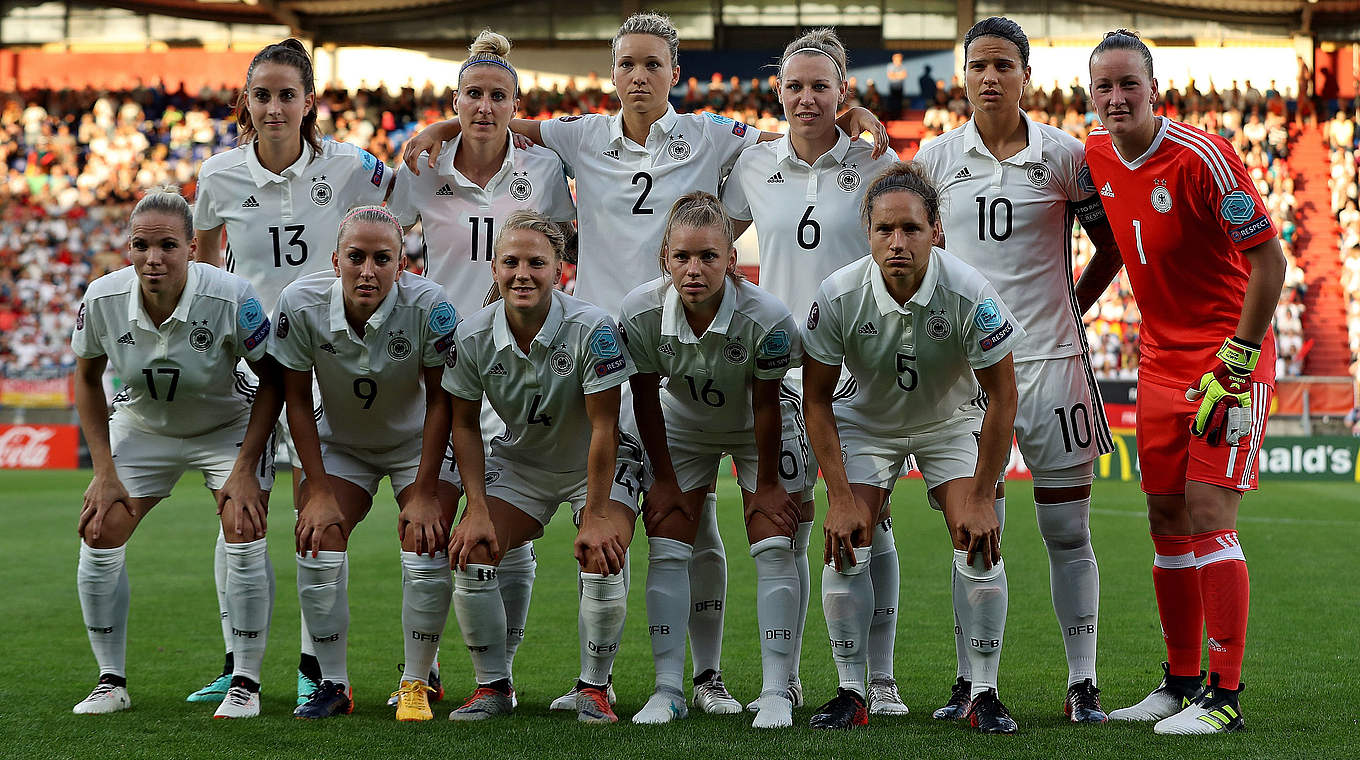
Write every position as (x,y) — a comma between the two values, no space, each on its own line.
(1301,540)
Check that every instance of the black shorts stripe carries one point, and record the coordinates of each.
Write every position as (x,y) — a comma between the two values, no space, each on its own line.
(229,262)
(1104,441)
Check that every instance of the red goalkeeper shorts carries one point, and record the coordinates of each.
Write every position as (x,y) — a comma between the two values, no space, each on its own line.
(1168,455)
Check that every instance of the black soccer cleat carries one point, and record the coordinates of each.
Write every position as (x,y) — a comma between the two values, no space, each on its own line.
(1215,711)
(1172,695)
(989,716)
(1083,703)
(846,710)
(328,701)
(959,700)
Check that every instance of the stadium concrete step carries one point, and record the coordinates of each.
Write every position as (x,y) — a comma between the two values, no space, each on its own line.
(1315,248)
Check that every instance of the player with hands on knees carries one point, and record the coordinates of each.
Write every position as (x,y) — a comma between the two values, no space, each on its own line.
(174,330)
(928,344)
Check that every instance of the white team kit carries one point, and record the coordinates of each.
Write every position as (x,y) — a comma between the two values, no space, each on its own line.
(372,387)
(183,405)
(913,389)
(706,380)
(461,219)
(1012,221)
(540,461)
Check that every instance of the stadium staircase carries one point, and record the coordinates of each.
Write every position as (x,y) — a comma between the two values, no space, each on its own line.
(1324,316)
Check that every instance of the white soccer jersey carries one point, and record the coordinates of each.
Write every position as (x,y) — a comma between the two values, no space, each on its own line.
(540,396)
(912,364)
(372,388)
(807,218)
(706,379)
(179,380)
(461,219)
(1012,221)
(281,227)
(624,190)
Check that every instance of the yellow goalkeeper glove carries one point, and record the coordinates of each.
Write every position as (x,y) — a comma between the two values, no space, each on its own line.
(1224,395)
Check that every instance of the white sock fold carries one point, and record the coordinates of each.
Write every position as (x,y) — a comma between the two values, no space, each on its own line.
(604,602)
(517,570)
(220,581)
(776,610)
(481,616)
(250,601)
(426,591)
(848,603)
(323,595)
(801,539)
(105,596)
(961,648)
(887,579)
(980,599)
(1074,580)
(668,611)
(708,590)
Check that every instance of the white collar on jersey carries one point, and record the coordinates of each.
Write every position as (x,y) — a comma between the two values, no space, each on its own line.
(783,150)
(500,325)
(921,298)
(1163,124)
(665,124)
(263,176)
(137,312)
(450,150)
(340,324)
(674,324)
(1032,154)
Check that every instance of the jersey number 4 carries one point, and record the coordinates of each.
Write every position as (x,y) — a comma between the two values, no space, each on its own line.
(294,241)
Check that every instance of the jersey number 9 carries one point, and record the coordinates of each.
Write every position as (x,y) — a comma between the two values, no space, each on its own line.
(366,390)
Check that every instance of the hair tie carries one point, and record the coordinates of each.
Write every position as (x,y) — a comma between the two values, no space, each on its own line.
(819,51)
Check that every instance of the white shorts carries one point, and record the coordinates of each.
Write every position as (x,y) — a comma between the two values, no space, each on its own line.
(538,493)
(791,393)
(149,465)
(1060,420)
(696,456)
(948,452)
(367,467)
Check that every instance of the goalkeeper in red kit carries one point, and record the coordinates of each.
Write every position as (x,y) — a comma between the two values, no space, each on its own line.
(1206,268)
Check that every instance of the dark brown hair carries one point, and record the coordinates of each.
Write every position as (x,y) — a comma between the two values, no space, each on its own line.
(290,52)
(905,176)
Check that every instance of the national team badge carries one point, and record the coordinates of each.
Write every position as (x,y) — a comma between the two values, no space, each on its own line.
(521,189)
(200,339)
(937,326)
(398,347)
(561,362)
(322,193)
(1038,175)
(1161,199)
(735,353)
(848,180)
(678,149)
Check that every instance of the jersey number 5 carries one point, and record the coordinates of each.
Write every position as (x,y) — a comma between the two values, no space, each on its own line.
(295,241)
(904,365)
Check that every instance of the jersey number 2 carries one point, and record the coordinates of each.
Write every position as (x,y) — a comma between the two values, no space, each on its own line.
(646,180)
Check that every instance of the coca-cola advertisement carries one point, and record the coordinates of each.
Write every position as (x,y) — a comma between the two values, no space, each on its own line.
(38,447)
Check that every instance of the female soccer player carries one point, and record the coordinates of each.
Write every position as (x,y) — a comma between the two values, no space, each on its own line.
(803,193)
(280,195)
(721,348)
(551,365)
(926,340)
(1207,277)
(174,331)
(1009,189)
(375,337)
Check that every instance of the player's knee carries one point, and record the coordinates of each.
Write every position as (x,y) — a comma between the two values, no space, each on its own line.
(114,530)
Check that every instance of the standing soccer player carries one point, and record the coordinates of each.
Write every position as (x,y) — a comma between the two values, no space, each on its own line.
(928,344)
(1206,268)
(1009,189)
(174,331)
(280,196)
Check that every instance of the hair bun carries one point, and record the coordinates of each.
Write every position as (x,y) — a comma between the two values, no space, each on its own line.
(490,42)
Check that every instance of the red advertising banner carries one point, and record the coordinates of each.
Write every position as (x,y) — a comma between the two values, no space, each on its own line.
(37,392)
(38,447)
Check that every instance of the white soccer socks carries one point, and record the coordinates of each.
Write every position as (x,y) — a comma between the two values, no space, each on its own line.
(220,580)
(604,603)
(517,570)
(426,590)
(776,611)
(965,669)
(980,599)
(323,595)
(708,590)
(250,604)
(102,582)
(1074,579)
(801,539)
(668,608)
(848,603)
(481,616)
(883,571)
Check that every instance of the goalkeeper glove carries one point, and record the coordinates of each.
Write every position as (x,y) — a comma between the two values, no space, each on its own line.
(1224,395)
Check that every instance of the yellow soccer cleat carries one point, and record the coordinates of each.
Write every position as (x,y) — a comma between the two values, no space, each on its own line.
(413,701)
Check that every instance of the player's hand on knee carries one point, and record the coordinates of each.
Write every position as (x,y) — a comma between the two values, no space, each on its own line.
(663,498)
(846,527)
(475,529)
(103,493)
(422,521)
(978,531)
(243,504)
(315,517)
(775,505)
(598,548)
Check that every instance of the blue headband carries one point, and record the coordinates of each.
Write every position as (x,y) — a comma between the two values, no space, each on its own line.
(493,63)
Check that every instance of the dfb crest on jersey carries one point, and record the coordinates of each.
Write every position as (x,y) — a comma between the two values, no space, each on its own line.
(322,193)
(521,188)
(988,316)
(561,362)
(848,180)
(398,347)
(200,339)
(678,149)
(603,343)
(937,326)
(1237,207)
(1038,175)
(735,353)
(1161,199)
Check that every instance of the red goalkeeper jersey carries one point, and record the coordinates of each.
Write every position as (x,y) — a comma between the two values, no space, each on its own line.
(1182,213)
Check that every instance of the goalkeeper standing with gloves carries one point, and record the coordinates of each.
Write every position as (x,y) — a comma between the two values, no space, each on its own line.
(1206,268)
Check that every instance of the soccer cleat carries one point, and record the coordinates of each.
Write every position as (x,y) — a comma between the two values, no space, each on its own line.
(884,699)
(1083,703)
(773,710)
(306,687)
(567,702)
(989,716)
(328,701)
(1171,696)
(240,702)
(215,691)
(413,701)
(485,703)
(107,697)
(795,695)
(664,706)
(711,695)
(1215,711)
(592,706)
(845,710)
(959,701)
(436,686)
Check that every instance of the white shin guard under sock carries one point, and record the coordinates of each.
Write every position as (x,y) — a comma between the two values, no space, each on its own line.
(105,596)
(250,601)
(668,608)
(304,636)
(517,570)
(604,603)
(220,581)
(708,590)
(426,591)
(848,603)
(802,538)
(323,595)
(980,600)
(481,616)
(887,579)
(776,610)
(1074,578)
(965,669)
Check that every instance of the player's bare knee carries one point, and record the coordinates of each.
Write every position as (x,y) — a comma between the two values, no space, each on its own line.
(759,527)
